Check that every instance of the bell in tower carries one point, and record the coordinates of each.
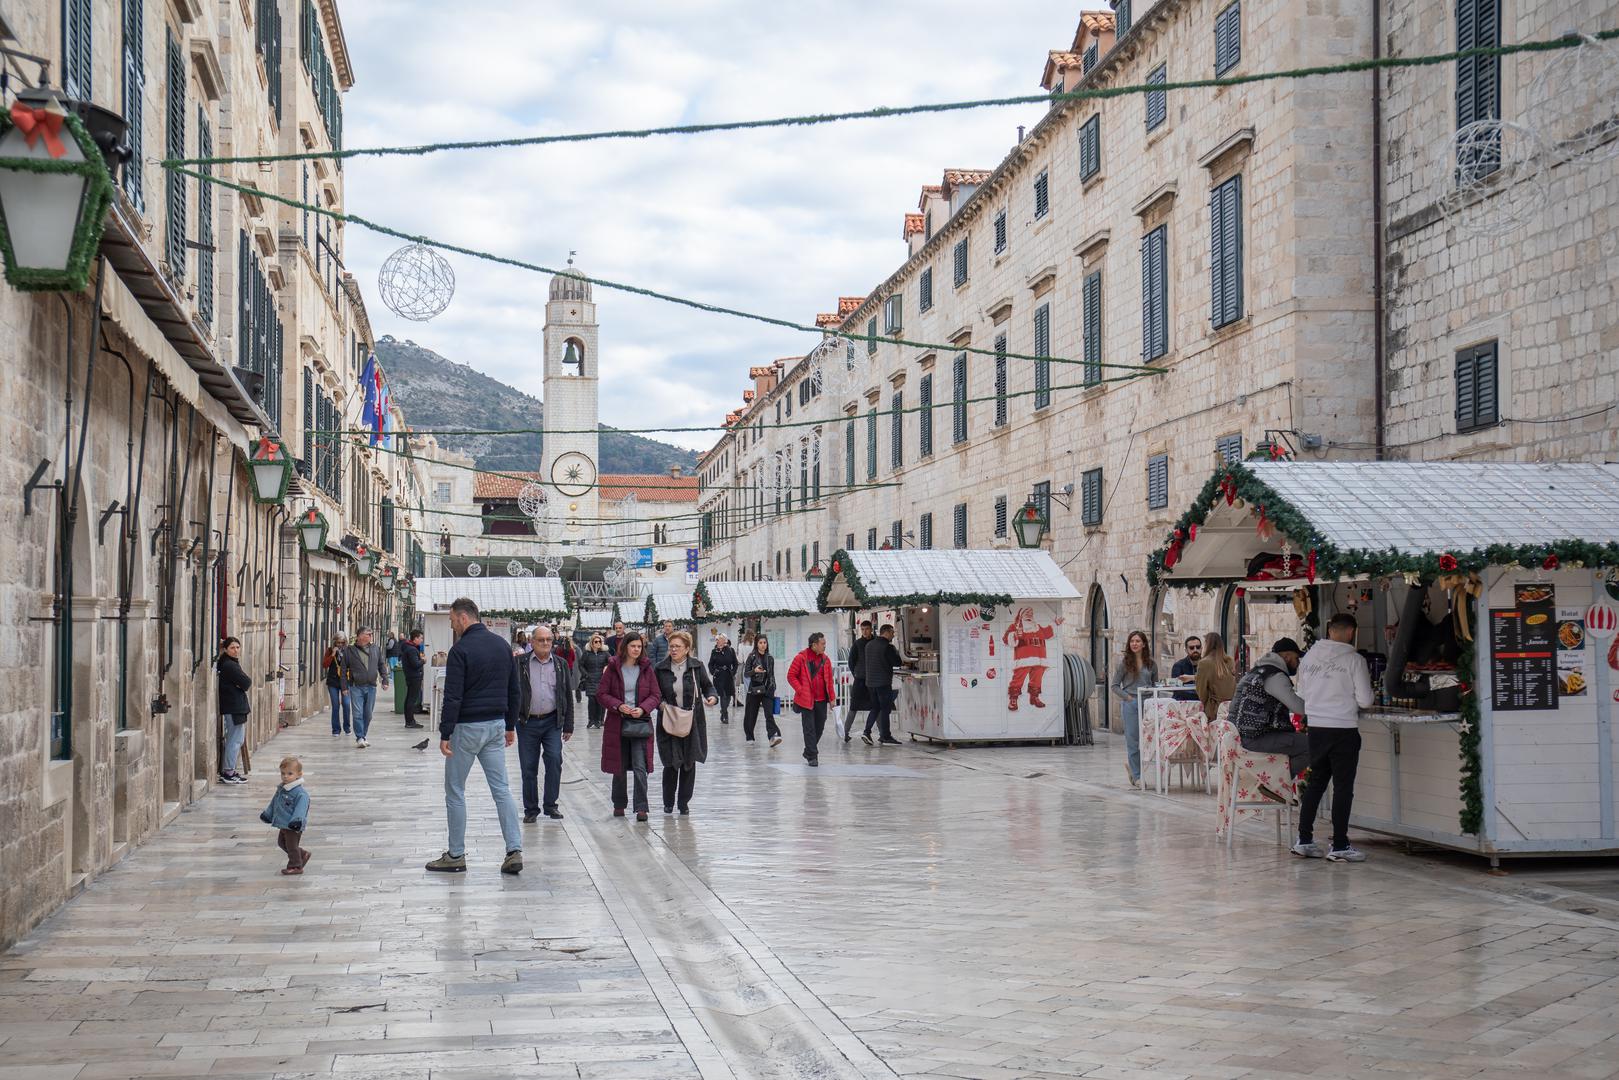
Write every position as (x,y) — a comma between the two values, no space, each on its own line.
(573,360)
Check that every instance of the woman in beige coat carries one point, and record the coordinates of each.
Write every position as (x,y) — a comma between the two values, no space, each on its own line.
(1216,676)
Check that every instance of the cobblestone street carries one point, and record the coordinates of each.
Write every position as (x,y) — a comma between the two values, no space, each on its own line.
(985,914)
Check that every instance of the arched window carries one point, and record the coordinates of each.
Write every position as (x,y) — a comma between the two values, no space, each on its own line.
(573,358)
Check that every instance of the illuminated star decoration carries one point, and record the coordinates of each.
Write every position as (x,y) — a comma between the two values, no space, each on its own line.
(1464,726)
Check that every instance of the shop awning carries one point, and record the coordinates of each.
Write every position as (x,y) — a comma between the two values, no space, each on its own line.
(533,599)
(718,601)
(675,607)
(1368,518)
(865,579)
(594,618)
(630,612)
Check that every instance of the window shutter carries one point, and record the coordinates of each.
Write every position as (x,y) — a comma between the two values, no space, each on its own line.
(1466,391)
(1093,53)
(960,525)
(1158,482)
(1121,18)
(924,299)
(961,261)
(134,174)
(205,223)
(871,539)
(1000,380)
(1478,78)
(1000,516)
(1042,195)
(1157,100)
(78,57)
(1091,497)
(1091,303)
(1090,147)
(309,426)
(1225,244)
(1042,347)
(175,144)
(1477,396)
(848,454)
(925,533)
(1230,448)
(959,378)
(896,437)
(1228,39)
(871,444)
(925,416)
(1000,243)
(871,337)
(1154,299)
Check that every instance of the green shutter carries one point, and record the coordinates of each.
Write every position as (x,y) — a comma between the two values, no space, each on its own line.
(1228,39)
(174,248)
(1154,294)
(1000,378)
(1157,100)
(134,174)
(925,416)
(1225,258)
(1042,347)
(1092,312)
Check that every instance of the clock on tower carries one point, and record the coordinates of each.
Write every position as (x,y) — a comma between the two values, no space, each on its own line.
(569,449)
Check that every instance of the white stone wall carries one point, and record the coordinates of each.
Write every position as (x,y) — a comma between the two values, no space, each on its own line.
(1299,359)
(1544,293)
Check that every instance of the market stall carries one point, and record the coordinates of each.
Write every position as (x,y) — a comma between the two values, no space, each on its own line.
(505,605)
(674,606)
(979,631)
(1487,596)
(587,621)
(784,611)
(632,613)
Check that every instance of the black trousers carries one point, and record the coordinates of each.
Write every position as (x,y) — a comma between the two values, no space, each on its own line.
(1334,756)
(413,698)
(725,687)
(678,785)
(750,716)
(814,721)
(632,755)
(883,699)
(595,711)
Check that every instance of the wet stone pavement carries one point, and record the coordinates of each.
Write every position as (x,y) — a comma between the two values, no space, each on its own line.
(909,911)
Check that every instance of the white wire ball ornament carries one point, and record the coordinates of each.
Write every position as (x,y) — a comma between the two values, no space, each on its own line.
(515,568)
(1573,103)
(474,570)
(552,564)
(532,500)
(416,283)
(1497,170)
(833,375)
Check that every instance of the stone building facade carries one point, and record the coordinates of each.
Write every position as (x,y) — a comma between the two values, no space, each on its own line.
(1222,236)
(220,317)
(1501,347)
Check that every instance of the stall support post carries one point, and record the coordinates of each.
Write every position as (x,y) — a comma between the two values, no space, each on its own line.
(1482,658)
(1604,707)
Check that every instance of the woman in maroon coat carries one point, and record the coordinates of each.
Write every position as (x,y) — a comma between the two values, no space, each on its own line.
(628,690)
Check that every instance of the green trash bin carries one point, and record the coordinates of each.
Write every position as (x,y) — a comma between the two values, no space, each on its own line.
(398,678)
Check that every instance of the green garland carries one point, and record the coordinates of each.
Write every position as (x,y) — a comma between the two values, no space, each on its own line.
(92,221)
(526,616)
(736,616)
(1335,564)
(1469,736)
(851,576)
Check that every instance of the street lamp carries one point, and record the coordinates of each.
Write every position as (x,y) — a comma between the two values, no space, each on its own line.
(386,580)
(271,470)
(55,188)
(1031,524)
(312,529)
(364,560)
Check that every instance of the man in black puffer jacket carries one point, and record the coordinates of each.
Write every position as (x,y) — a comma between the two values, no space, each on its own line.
(479,720)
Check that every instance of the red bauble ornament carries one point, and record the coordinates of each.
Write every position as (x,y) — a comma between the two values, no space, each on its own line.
(1447,562)
(1241,593)
(1193,534)
(1309,567)
(1550,563)
(1180,534)
(1172,556)
(837,567)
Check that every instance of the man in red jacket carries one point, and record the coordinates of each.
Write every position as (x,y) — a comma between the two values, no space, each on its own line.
(810,676)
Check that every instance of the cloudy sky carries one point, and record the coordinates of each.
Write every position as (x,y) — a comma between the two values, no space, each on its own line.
(779,222)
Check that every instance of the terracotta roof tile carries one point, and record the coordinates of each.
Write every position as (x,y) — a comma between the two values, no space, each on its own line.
(952,177)
(828,318)
(929,191)
(913,224)
(648,487)
(847,304)
(1056,63)
(1091,23)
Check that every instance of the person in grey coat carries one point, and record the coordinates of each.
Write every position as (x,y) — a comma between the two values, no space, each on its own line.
(366,668)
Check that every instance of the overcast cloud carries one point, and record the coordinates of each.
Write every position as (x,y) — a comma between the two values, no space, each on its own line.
(779,222)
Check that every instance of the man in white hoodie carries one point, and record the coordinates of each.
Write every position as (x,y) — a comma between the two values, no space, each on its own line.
(1335,684)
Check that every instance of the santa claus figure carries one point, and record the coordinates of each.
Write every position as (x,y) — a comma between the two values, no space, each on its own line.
(1027,639)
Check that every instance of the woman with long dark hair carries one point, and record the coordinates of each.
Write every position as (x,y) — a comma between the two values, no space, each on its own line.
(337,682)
(1216,676)
(233,708)
(629,694)
(759,684)
(1134,671)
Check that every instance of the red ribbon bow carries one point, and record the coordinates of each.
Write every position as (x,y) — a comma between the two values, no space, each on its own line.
(36,124)
(267,450)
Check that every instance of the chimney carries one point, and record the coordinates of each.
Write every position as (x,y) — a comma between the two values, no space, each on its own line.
(1020,134)
(674,471)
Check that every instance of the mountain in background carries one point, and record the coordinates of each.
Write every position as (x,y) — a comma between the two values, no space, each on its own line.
(437,393)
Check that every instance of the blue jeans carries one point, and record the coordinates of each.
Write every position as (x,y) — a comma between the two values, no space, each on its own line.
(1130,713)
(362,700)
(235,736)
(484,740)
(340,699)
(540,737)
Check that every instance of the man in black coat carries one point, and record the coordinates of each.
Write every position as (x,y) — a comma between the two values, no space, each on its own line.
(546,707)
(412,664)
(482,703)
(878,661)
(859,696)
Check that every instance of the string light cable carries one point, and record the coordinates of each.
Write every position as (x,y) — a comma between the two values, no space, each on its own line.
(884,112)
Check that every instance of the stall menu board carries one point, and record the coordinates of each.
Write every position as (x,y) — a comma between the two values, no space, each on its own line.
(1523,650)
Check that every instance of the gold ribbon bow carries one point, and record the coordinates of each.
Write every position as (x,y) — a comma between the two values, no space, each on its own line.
(1460,587)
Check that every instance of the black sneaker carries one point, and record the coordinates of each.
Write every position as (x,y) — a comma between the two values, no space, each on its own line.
(414,724)
(865,737)
(529,819)
(892,742)
(554,813)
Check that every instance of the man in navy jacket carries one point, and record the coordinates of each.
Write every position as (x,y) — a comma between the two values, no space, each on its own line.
(478,721)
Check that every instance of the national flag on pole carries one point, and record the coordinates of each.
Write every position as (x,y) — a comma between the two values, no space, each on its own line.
(384,411)
(368,385)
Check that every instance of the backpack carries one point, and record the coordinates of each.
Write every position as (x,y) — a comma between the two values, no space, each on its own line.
(1253,710)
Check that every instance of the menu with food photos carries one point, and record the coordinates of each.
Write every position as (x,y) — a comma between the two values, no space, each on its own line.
(1523,650)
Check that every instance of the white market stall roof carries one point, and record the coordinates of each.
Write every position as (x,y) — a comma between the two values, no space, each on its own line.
(673,606)
(717,601)
(630,612)
(863,579)
(532,598)
(1362,517)
(593,618)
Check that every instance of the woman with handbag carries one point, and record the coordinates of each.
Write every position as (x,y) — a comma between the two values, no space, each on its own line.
(759,682)
(810,676)
(629,693)
(234,707)
(337,682)
(682,730)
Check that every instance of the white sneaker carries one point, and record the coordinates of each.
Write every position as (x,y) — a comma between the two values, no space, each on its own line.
(1346,854)
(360,744)
(1311,850)
(776,741)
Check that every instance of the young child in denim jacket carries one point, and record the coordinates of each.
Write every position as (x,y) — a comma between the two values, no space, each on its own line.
(288,813)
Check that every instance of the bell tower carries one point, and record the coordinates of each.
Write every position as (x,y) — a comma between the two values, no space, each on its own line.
(568,463)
